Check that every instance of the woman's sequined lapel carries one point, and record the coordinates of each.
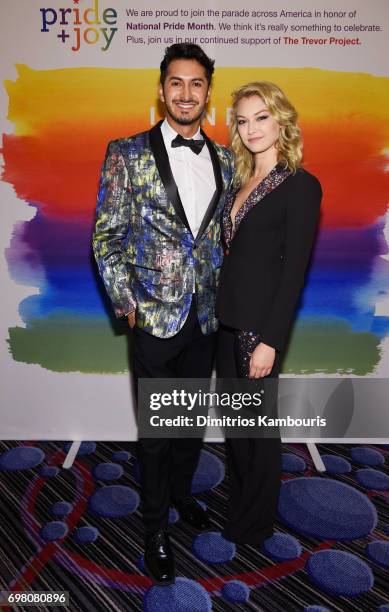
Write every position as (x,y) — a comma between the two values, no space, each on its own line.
(227,227)
(269,183)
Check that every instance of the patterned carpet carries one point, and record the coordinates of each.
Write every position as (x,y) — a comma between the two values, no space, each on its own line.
(80,530)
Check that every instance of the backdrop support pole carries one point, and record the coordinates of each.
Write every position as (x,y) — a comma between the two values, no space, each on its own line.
(71,454)
(317,460)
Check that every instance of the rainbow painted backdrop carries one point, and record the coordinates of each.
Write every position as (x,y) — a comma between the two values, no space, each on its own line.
(63,120)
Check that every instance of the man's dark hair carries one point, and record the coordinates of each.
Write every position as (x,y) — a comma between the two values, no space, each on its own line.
(188,51)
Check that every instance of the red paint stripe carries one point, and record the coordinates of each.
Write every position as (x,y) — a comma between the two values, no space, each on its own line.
(116,575)
(36,563)
(260,577)
(31,570)
(253,578)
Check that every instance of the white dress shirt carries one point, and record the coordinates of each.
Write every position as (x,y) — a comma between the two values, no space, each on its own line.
(193,175)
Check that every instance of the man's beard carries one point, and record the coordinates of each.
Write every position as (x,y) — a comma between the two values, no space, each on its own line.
(184,120)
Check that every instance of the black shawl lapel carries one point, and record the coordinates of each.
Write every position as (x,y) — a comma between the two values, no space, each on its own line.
(162,162)
(219,186)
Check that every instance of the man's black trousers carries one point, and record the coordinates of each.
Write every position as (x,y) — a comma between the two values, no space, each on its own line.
(167,466)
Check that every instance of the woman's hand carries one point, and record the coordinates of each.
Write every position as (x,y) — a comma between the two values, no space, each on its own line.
(262,361)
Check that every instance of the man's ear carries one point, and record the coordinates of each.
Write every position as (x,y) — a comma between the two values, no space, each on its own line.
(208,94)
(160,92)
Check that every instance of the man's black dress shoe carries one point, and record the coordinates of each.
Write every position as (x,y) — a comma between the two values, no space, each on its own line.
(159,558)
(192,513)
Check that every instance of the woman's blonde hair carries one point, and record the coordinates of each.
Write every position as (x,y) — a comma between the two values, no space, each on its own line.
(289,145)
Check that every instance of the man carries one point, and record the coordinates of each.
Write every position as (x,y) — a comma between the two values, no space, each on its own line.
(157,245)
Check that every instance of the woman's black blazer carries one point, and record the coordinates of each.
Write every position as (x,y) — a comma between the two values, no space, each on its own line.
(263,274)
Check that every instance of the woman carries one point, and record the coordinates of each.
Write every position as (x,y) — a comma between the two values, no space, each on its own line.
(269,224)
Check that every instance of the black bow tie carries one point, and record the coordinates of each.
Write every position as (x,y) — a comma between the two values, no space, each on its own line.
(195,145)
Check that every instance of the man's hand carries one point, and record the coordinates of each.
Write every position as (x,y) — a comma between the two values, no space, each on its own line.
(131,317)
(262,361)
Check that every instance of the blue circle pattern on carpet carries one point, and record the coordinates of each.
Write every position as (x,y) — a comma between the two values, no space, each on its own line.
(211,547)
(108,471)
(61,509)
(326,509)
(114,501)
(378,551)
(367,456)
(173,516)
(183,596)
(210,472)
(235,591)
(21,458)
(336,465)
(121,456)
(86,535)
(339,573)
(372,479)
(336,572)
(383,608)
(316,609)
(292,463)
(48,471)
(86,448)
(55,530)
(282,547)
